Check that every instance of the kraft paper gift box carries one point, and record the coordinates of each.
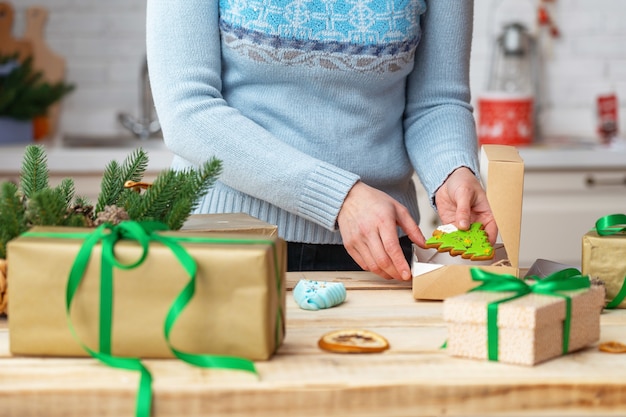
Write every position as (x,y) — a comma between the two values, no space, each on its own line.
(530,329)
(604,257)
(437,276)
(238,307)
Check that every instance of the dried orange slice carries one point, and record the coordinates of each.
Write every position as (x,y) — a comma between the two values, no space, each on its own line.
(353,341)
(612,347)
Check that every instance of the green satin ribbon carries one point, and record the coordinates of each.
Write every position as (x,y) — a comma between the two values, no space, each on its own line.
(611,225)
(564,280)
(143,233)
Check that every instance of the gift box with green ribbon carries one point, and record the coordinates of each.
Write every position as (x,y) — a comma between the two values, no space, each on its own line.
(510,320)
(137,291)
(604,257)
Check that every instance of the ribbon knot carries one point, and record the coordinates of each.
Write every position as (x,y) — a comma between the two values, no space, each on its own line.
(611,224)
(565,280)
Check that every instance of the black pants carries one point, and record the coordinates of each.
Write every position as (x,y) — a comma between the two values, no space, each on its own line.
(318,257)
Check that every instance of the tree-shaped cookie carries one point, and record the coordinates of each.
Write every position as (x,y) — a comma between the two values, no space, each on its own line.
(470,244)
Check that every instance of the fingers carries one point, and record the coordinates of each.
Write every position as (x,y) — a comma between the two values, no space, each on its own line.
(463,213)
(368,224)
(380,253)
(491,228)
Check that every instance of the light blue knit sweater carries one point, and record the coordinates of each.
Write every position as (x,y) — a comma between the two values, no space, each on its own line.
(300,99)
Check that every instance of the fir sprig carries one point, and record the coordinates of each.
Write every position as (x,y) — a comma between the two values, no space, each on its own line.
(67,190)
(47,208)
(34,175)
(170,199)
(115,175)
(173,195)
(12,218)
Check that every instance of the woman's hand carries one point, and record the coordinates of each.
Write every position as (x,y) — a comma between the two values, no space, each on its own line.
(368,222)
(462,200)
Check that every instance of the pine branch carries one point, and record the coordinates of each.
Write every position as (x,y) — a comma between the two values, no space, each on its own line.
(110,187)
(192,186)
(179,212)
(34,175)
(134,165)
(132,202)
(205,179)
(115,175)
(46,208)
(173,195)
(82,201)
(12,217)
(66,188)
(155,198)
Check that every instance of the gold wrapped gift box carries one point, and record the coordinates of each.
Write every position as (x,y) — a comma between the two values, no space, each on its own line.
(237,310)
(604,258)
(530,328)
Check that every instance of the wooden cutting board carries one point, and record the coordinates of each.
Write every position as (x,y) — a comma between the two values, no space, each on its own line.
(50,64)
(8,44)
(45,60)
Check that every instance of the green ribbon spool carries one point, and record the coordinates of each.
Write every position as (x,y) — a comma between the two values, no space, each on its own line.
(607,226)
(144,233)
(564,280)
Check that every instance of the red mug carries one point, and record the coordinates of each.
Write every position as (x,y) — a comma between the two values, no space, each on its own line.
(505,119)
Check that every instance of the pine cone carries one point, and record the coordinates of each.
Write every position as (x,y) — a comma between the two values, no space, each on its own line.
(4,294)
(111,214)
(85,211)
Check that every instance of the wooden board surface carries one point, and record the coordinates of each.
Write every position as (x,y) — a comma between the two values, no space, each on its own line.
(46,61)
(414,378)
(10,45)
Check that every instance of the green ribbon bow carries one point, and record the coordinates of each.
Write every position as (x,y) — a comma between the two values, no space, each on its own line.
(144,233)
(564,280)
(607,226)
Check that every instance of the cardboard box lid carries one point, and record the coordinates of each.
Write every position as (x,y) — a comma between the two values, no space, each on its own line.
(502,173)
(229,222)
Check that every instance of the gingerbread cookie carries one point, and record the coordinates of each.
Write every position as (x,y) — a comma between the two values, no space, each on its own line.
(471,244)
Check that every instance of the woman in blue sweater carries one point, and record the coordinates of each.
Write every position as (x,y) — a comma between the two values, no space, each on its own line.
(320,111)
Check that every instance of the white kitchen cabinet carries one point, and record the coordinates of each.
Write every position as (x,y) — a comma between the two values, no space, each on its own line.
(560,206)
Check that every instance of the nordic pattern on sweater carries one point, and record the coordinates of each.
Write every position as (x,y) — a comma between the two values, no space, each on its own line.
(362,35)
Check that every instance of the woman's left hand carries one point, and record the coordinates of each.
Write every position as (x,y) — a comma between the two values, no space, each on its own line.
(461,200)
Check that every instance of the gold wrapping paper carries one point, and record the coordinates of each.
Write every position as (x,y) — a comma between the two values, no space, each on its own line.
(235,310)
(530,328)
(604,257)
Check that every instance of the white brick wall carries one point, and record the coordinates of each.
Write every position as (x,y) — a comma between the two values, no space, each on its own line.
(103,42)
(588,58)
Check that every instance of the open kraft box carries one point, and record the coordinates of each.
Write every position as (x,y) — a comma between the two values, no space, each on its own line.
(437,276)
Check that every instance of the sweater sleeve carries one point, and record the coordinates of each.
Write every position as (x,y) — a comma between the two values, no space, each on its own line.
(440,132)
(184,61)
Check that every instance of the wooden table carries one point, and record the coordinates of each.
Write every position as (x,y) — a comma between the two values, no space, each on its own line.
(414,378)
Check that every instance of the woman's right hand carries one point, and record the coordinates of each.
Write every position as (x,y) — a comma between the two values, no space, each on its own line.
(368,222)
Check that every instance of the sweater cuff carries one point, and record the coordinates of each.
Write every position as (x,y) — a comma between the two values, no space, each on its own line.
(324,194)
